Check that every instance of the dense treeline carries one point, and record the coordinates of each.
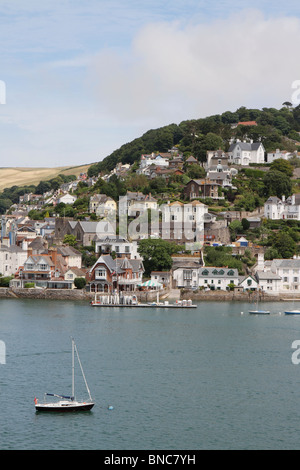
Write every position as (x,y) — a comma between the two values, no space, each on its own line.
(276,128)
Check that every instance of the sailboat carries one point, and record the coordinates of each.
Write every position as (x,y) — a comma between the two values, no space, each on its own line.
(293,311)
(258,311)
(67,403)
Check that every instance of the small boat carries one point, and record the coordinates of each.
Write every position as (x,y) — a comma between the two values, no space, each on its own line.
(292,312)
(67,403)
(259,312)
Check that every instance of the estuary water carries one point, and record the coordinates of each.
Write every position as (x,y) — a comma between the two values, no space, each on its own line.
(205,378)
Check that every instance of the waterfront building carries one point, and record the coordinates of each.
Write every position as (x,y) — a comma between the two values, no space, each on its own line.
(192,274)
(111,275)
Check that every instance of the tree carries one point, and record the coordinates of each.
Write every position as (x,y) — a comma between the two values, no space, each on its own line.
(70,240)
(277,184)
(234,228)
(156,254)
(282,165)
(284,244)
(196,171)
(79,282)
(287,104)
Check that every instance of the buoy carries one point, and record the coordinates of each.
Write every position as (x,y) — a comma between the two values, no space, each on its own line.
(242,313)
(110,407)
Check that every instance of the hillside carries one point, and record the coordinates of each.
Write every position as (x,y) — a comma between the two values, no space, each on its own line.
(27,176)
(276,128)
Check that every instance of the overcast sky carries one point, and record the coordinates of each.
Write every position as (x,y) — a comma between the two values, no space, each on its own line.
(84,77)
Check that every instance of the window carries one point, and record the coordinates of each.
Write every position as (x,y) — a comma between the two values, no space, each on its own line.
(230,273)
(249,282)
(43,267)
(221,272)
(101,273)
(205,272)
(187,274)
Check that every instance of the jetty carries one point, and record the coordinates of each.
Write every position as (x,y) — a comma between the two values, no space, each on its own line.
(123,300)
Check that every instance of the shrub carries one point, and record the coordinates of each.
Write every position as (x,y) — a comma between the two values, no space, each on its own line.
(29,285)
(79,282)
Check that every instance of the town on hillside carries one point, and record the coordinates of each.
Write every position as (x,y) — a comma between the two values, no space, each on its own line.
(229,222)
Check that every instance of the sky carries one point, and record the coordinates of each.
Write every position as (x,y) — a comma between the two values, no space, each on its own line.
(80,78)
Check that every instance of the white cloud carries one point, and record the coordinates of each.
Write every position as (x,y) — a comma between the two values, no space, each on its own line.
(85,77)
(177,73)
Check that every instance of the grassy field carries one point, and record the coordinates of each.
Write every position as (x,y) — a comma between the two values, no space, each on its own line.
(24,176)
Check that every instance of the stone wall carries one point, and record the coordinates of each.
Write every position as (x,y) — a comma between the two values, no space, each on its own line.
(64,294)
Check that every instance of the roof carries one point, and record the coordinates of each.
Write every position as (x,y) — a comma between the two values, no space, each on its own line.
(287,263)
(119,264)
(273,200)
(264,275)
(245,146)
(204,182)
(247,123)
(218,271)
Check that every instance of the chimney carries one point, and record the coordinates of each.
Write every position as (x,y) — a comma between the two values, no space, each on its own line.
(53,254)
(260,262)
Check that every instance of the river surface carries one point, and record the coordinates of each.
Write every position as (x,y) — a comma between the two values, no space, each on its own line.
(205,378)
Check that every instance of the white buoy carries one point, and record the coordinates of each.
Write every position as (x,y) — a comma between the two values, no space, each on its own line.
(110,407)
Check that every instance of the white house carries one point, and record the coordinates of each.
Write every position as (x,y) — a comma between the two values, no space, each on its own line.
(244,153)
(249,283)
(278,275)
(157,159)
(11,257)
(275,208)
(136,202)
(193,275)
(284,154)
(102,205)
(176,211)
(268,282)
(67,199)
(120,246)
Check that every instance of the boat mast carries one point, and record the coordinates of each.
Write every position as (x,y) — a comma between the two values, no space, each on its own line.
(73,370)
(88,390)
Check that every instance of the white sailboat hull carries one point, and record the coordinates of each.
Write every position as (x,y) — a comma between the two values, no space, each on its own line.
(64,406)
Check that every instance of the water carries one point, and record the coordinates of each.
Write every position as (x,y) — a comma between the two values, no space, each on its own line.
(206,378)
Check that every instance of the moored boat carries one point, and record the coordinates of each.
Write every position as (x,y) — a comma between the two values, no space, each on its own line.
(292,312)
(67,403)
(259,312)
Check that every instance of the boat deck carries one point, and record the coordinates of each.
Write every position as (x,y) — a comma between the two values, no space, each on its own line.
(98,304)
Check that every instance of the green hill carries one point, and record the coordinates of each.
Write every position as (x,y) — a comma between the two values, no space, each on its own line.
(276,128)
